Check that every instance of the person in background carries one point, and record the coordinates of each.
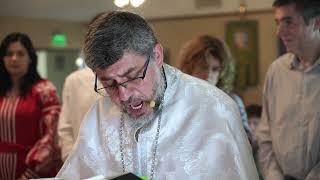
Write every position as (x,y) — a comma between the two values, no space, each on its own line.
(154,121)
(208,58)
(289,131)
(74,100)
(29,110)
(75,104)
(254,115)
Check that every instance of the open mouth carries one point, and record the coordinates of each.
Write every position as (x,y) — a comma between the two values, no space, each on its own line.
(136,105)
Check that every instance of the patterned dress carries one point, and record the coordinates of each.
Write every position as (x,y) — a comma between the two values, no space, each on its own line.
(28,126)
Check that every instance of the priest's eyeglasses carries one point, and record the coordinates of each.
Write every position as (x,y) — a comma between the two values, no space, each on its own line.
(107,88)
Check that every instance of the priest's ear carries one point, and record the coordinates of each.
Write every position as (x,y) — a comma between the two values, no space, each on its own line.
(158,54)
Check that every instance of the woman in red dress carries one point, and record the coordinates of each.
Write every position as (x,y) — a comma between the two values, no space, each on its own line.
(29,110)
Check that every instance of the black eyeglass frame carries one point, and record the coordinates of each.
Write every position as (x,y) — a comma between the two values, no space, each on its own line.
(123,84)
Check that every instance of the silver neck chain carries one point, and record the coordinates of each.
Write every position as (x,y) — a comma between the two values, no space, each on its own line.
(156,138)
(154,151)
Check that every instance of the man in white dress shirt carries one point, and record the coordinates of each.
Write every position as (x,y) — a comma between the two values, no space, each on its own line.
(160,122)
(289,130)
(75,104)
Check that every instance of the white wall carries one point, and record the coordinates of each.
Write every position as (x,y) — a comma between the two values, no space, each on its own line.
(42,64)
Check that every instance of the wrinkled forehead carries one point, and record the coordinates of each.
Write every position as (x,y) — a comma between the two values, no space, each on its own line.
(127,63)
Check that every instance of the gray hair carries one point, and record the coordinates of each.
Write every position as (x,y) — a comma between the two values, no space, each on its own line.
(112,34)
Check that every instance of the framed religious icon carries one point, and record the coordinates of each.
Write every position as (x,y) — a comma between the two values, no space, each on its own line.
(242,38)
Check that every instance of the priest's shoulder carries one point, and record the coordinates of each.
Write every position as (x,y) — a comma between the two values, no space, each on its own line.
(91,118)
(201,90)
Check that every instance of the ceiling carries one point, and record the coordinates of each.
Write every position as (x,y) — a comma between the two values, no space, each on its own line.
(84,10)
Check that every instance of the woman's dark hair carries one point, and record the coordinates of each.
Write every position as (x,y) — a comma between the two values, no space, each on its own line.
(254,110)
(32,74)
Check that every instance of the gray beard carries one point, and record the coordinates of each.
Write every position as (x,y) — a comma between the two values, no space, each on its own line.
(146,119)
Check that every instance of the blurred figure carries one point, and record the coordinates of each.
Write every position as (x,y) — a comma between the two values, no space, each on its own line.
(208,58)
(254,116)
(75,104)
(75,100)
(29,109)
(289,131)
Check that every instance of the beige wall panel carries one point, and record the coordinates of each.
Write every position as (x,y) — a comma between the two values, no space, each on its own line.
(40,31)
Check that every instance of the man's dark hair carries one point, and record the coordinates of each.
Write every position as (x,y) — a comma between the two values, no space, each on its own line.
(112,34)
(32,74)
(308,8)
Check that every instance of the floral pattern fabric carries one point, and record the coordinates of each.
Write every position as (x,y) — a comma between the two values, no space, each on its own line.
(28,128)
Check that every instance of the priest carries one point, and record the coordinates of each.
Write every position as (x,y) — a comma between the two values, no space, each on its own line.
(155,121)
